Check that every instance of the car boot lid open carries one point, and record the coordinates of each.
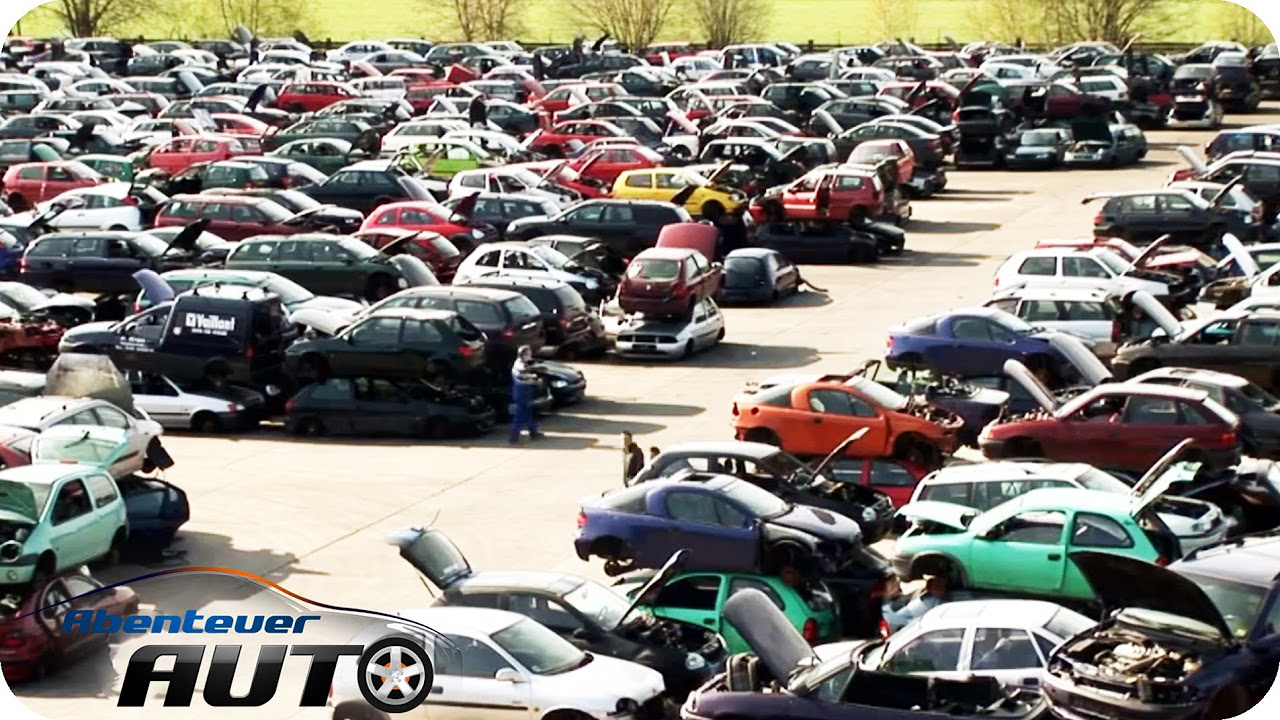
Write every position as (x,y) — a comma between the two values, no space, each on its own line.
(1121,582)
(768,632)
(1241,255)
(1082,358)
(648,593)
(1158,313)
(433,554)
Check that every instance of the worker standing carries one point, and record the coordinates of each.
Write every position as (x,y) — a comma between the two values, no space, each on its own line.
(523,382)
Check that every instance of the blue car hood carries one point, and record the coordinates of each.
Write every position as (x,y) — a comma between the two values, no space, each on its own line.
(823,524)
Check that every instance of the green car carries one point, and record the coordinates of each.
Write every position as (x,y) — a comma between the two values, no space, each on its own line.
(328,155)
(1022,545)
(698,598)
(446,157)
(329,264)
(64,510)
(116,167)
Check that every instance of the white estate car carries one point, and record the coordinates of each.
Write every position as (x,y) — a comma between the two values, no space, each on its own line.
(43,412)
(517,259)
(504,660)
(1094,268)
(1083,312)
(109,206)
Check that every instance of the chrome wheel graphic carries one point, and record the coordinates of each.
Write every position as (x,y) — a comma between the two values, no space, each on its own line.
(395,675)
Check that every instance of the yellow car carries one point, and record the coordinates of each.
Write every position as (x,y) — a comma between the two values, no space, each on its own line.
(701,196)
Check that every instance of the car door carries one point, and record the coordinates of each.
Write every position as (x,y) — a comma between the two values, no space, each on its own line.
(1140,218)
(1098,533)
(834,415)
(517,262)
(1085,271)
(977,346)
(131,460)
(1007,654)
(138,337)
(1149,426)
(465,688)
(798,201)
(380,409)
(695,599)
(164,402)
(255,255)
(90,261)
(70,519)
(421,342)
(370,348)
(933,652)
(715,533)
(331,270)
(619,224)
(1024,552)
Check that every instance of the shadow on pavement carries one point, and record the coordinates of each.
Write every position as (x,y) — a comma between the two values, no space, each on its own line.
(929,257)
(941,228)
(738,355)
(804,298)
(592,406)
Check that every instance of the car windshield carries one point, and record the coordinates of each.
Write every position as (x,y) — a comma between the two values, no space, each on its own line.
(760,503)
(1239,603)
(527,177)
(554,258)
(23,297)
(150,244)
(1012,322)
(1256,394)
(599,603)
(294,201)
(659,270)
(1114,262)
(1039,138)
(881,395)
(358,249)
(83,449)
(538,649)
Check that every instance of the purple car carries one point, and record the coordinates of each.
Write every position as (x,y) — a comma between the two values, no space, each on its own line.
(971,342)
(726,524)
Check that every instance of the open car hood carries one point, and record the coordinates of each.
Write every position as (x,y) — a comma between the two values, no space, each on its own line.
(648,593)
(1081,358)
(1194,161)
(99,447)
(1123,582)
(81,375)
(1147,253)
(433,554)
(768,632)
(17,500)
(839,450)
(1036,389)
(1243,259)
(327,322)
(951,515)
(186,239)
(415,272)
(1158,313)
(154,287)
(1150,487)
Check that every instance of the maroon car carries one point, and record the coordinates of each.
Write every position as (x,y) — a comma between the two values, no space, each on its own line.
(668,282)
(233,217)
(432,248)
(31,646)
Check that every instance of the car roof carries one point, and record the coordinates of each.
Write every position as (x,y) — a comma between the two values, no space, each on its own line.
(232,199)
(43,473)
(465,291)
(1003,470)
(448,619)
(552,582)
(412,314)
(1033,292)
(43,406)
(739,448)
(1246,559)
(756,252)
(1001,613)
(1208,376)
(1073,498)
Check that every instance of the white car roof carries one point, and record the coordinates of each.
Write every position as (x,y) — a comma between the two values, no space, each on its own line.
(478,621)
(1003,471)
(1035,292)
(990,613)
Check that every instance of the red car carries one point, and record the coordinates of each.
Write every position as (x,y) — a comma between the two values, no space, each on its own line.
(415,77)
(557,139)
(606,164)
(662,53)
(235,124)
(231,217)
(300,97)
(1120,426)
(177,154)
(566,96)
(26,184)
(668,282)
(872,152)
(432,248)
(840,194)
(892,476)
(32,645)
(416,215)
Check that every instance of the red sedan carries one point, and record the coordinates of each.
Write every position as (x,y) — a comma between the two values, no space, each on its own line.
(312,96)
(416,215)
(566,96)
(606,164)
(26,184)
(33,645)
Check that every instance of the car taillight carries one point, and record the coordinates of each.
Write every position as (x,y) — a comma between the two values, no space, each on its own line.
(466,351)
(289,406)
(582,519)
(508,334)
(22,264)
(884,628)
(955,116)
(876,593)
(1229,438)
(12,640)
(250,352)
(810,631)
(130,200)
(286,181)
(1097,219)
(680,290)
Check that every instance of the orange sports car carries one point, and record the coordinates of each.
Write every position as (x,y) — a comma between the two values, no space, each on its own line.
(811,419)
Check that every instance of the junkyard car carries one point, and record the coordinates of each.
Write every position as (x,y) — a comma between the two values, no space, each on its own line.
(141,433)
(641,336)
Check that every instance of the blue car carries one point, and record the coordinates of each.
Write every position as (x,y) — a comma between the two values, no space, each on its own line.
(971,342)
(725,524)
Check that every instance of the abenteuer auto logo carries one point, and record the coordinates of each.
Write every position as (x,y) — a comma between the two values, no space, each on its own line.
(274,645)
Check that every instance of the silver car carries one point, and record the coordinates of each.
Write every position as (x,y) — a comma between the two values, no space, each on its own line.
(206,411)
(638,336)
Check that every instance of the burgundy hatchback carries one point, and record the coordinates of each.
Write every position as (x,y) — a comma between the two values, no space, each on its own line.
(33,645)
(233,217)
(668,282)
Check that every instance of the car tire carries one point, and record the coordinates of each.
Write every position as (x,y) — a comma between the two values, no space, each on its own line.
(908,360)
(47,565)
(115,553)
(207,423)
(689,348)
(720,334)
(938,566)
(712,210)
(312,427)
(1228,703)
(918,451)
(18,202)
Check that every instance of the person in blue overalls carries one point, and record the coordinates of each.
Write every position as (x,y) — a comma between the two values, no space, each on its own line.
(523,382)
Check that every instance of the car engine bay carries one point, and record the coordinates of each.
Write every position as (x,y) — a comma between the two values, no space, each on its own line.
(1129,663)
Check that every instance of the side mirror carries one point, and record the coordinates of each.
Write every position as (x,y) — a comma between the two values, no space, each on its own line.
(508,675)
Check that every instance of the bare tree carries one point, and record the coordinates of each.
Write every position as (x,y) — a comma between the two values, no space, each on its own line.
(725,22)
(86,18)
(895,18)
(263,17)
(634,23)
(478,20)
(1112,20)
(1241,25)
(1010,20)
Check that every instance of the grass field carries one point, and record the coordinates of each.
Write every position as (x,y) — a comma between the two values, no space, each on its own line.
(823,21)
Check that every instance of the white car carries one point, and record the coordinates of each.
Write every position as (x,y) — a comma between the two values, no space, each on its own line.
(1105,86)
(416,132)
(357,50)
(517,259)
(491,141)
(383,87)
(510,180)
(208,411)
(1083,312)
(639,337)
(983,486)
(694,67)
(109,206)
(38,414)
(1009,640)
(1007,71)
(1094,268)
(501,664)
(99,86)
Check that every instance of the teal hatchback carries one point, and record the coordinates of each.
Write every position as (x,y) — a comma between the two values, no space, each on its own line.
(55,516)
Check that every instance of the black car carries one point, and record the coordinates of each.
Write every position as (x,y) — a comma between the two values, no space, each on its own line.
(564,313)
(818,242)
(330,264)
(1142,217)
(1195,639)
(499,210)
(1258,409)
(780,473)
(586,613)
(507,318)
(628,226)
(368,184)
(211,334)
(927,147)
(397,343)
(386,408)
(1238,90)
(308,212)
(206,175)
(1038,148)
(283,172)
(104,262)
(156,509)
(1266,70)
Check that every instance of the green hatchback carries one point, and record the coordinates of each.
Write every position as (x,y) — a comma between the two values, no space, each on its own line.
(116,167)
(698,598)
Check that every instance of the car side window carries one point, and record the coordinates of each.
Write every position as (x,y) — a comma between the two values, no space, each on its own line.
(739,584)
(968,328)
(72,502)
(695,592)
(692,507)
(1258,333)
(1083,267)
(1098,531)
(422,333)
(891,474)
(1151,411)
(102,489)
(377,331)
(54,603)
(544,610)
(477,659)
(937,651)
(830,402)
(112,418)
(618,214)
(1039,527)
(1003,649)
(78,586)
(489,258)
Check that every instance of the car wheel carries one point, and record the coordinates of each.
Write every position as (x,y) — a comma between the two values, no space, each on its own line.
(207,423)
(116,552)
(312,427)
(47,565)
(435,428)
(688,349)
(720,334)
(937,567)
(712,210)
(764,436)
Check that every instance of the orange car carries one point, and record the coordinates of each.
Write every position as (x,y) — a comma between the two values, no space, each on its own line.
(810,419)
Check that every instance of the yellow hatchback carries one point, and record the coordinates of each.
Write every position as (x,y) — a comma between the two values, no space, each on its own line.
(701,196)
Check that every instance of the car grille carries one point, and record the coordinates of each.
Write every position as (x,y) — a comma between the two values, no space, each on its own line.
(648,339)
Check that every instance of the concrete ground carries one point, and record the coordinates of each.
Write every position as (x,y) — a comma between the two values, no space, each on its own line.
(313,516)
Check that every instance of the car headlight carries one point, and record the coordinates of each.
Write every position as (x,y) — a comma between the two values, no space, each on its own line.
(559,384)
(694,662)
(402,283)
(272,390)
(591,284)
(477,233)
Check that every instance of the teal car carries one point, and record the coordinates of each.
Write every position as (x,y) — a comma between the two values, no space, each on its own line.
(1022,545)
(116,167)
(698,598)
(63,510)
(328,155)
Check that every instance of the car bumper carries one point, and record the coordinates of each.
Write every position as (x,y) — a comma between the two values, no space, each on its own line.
(745,295)
(992,449)
(654,350)
(654,306)
(1222,459)
(19,571)
(1090,159)
(1069,701)
(1031,162)
(568,394)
